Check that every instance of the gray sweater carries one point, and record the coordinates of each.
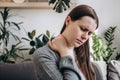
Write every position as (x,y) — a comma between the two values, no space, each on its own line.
(50,66)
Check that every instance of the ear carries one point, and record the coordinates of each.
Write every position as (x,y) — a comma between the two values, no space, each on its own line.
(67,20)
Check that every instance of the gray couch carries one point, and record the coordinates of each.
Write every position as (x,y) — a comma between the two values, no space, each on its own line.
(109,71)
(26,71)
(21,71)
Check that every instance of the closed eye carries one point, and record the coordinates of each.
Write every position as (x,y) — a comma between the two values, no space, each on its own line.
(89,33)
(85,30)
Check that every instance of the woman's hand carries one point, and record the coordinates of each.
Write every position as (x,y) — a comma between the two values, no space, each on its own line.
(59,44)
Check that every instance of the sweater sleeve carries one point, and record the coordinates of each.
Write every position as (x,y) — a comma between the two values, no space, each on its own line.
(68,67)
(48,69)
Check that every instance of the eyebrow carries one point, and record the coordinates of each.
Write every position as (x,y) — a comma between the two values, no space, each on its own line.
(86,28)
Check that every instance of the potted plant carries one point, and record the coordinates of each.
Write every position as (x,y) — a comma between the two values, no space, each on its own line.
(11,53)
(98,47)
(105,50)
(60,5)
(6,31)
(37,41)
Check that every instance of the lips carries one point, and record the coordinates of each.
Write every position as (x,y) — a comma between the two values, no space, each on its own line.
(79,41)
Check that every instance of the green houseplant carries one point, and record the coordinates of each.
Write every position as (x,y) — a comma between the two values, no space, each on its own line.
(105,50)
(37,41)
(6,32)
(105,54)
(60,5)
(109,37)
(6,26)
(111,54)
(98,47)
(11,53)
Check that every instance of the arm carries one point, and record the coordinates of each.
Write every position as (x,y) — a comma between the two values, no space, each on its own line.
(48,69)
(69,68)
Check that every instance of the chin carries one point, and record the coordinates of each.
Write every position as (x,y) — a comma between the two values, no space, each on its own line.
(77,45)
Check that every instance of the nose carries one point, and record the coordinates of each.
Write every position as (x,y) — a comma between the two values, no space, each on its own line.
(85,36)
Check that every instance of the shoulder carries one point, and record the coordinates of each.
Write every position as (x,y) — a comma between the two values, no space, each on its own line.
(42,50)
(45,52)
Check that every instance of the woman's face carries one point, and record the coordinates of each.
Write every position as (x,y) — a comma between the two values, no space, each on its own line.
(77,32)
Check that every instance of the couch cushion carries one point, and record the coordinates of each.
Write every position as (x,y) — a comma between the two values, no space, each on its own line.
(100,68)
(114,70)
(21,71)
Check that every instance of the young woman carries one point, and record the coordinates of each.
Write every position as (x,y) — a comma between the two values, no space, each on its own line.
(67,56)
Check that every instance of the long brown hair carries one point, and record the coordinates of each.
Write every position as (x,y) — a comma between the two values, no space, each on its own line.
(82,52)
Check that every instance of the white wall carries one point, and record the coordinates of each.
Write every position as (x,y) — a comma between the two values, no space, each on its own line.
(43,19)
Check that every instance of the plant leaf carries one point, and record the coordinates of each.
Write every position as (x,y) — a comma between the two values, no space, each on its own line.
(32,51)
(39,43)
(45,39)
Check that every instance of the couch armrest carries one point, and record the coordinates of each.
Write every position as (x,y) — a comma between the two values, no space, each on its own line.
(20,71)
(100,68)
(114,70)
